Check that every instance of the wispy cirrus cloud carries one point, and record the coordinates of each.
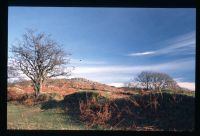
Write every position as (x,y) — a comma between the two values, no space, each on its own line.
(142,53)
(174,65)
(184,44)
(104,78)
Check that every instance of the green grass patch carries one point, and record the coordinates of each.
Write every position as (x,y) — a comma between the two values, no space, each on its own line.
(171,111)
(182,92)
(23,117)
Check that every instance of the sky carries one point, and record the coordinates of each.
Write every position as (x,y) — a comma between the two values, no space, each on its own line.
(113,45)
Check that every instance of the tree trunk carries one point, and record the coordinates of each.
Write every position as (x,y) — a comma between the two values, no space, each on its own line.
(37,89)
(41,83)
(37,93)
(160,90)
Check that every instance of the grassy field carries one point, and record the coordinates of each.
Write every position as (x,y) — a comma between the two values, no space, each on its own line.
(170,112)
(23,117)
(182,92)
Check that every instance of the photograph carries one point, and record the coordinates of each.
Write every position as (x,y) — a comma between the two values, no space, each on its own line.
(101,68)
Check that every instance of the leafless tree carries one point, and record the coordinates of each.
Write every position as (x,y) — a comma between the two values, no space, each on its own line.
(144,79)
(11,72)
(39,58)
(155,80)
(162,80)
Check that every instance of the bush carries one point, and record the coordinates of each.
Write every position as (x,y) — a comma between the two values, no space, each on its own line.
(29,99)
(172,111)
(95,114)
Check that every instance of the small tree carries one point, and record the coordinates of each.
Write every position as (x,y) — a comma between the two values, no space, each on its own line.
(39,58)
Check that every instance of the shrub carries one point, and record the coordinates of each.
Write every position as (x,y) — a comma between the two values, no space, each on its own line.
(95,114)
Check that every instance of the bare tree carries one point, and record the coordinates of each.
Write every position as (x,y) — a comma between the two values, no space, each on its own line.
(155,80)
(11,72)
(161,80)
(144,79)
(39,58)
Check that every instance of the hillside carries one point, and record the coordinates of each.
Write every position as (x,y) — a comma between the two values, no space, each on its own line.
(82,104)
(78,83)
(68,86)
(61,86)
(84,111)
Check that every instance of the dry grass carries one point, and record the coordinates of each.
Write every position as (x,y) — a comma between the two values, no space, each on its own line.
(94,113)
(148,112)
(115,110)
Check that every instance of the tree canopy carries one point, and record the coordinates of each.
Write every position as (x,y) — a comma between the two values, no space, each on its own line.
(39,58)
(155,80)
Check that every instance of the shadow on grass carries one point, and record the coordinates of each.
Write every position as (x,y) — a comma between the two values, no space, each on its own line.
(170,112)
(70,104)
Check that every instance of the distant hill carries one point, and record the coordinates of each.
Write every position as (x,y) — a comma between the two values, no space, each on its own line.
(80,83)
(61,86)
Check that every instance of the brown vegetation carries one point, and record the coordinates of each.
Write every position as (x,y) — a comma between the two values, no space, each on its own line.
(94,113)
(148,112)
(61,86)
(116,109)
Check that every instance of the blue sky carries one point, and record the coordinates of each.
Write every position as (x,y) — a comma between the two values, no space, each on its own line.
(116,44)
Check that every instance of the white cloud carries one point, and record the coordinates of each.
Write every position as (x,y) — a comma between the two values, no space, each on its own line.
(142,53)
(104,78)
(188,85)
(123,74)
(184,44)
(175,65)
(116,84)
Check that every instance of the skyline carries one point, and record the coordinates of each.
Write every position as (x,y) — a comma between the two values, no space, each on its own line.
(113,45)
